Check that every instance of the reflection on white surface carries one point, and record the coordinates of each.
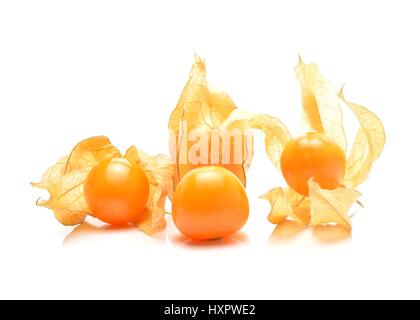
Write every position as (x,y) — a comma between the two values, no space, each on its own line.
(290,231)
(331,234)
(92,230)
(239,238)
(285,232)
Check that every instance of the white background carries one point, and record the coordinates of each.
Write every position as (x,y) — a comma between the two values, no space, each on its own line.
(74,69)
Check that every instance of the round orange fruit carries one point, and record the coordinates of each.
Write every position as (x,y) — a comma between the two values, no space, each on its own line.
(210,203)
(116,191)
(313,155)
